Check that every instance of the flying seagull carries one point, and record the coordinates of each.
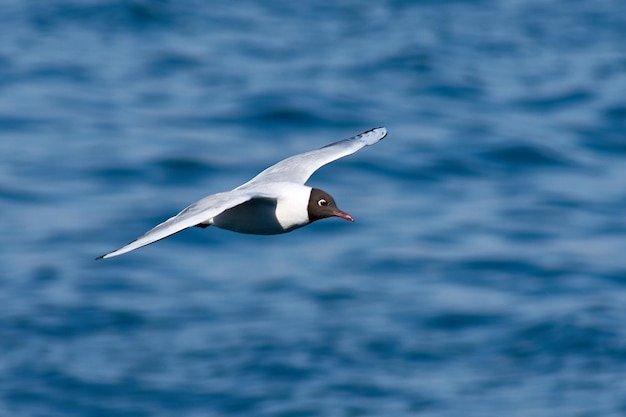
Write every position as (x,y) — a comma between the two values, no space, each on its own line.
(275,201)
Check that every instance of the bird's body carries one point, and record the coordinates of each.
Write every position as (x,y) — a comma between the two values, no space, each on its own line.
(275,201)
(267,216)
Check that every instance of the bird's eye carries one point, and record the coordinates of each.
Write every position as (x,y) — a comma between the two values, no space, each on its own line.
(322,203)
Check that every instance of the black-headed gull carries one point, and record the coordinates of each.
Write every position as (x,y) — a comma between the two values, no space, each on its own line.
(275,201)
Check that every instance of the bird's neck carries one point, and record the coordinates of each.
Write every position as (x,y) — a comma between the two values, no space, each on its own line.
(291,207)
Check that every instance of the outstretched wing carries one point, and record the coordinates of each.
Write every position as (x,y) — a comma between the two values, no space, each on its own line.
(199,212)
(299,168)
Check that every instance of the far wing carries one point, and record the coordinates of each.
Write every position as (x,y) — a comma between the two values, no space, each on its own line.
(197,213)
(299,168)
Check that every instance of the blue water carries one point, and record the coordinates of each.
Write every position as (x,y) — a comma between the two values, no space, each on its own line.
(485,274)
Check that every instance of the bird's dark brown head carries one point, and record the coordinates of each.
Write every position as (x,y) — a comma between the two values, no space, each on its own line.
(322,205)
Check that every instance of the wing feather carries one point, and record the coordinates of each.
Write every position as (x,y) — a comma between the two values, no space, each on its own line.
(199,212)
(299,168)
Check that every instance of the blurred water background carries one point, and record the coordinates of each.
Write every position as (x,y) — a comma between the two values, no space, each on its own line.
(485,274)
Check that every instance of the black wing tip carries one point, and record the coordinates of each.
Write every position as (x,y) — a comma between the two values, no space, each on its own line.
(378,128)
(360,135)
(383,128)
(373,130)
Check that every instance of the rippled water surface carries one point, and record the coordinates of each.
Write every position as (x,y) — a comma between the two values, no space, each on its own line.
(485,274)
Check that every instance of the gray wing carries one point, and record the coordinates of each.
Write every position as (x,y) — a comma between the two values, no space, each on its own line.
(299,168)
(199,212)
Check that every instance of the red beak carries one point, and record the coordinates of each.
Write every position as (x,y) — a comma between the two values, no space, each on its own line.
(343,215)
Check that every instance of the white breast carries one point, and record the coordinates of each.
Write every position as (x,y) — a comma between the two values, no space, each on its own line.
(292,208)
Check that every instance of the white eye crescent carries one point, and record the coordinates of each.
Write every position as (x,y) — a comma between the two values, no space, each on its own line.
(322,203)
